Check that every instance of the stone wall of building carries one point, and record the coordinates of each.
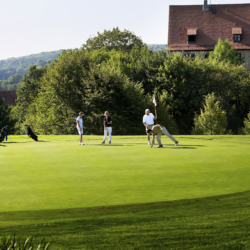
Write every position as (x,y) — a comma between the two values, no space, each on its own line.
(246,55)
(204,54)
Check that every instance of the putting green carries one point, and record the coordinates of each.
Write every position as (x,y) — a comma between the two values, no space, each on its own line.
(56,172)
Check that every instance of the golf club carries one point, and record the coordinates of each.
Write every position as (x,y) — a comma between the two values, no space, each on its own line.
(86,136)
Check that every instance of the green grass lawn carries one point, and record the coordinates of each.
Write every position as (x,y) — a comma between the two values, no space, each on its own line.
(127,195)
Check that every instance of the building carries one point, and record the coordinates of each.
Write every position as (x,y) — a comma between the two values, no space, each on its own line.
(9,97)
(197,28)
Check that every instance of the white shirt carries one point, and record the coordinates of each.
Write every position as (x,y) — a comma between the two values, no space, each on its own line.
(148,119)
(79,119)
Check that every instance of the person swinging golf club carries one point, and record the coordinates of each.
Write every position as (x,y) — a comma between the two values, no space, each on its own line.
(107,121)
(159,130)
(79,126)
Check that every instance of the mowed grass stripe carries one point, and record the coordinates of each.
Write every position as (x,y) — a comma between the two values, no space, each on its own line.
(220,222)
(58,173)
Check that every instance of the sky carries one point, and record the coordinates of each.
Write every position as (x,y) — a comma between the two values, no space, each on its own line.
(34,26)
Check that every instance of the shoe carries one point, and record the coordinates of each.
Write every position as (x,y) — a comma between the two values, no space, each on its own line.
(160,146)
(149,143)
(176,143)
(103,142)
(82,143)
(109,142)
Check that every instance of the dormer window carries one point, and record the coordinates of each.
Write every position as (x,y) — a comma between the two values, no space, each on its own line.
(237,34)
(191,33)
(237,38)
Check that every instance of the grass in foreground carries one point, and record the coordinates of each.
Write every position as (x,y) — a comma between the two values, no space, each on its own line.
(220,222)
(75,196)
(57,173)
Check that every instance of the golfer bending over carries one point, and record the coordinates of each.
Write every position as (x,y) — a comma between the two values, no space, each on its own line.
(159,130)
(79,126)
(107,126)
(148,121)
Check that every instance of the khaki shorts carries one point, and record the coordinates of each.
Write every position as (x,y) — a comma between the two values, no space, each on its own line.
(149,127)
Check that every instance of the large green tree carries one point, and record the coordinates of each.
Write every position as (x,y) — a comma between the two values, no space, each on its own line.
(224,52)
(114,39)
(76,82)
(26,94)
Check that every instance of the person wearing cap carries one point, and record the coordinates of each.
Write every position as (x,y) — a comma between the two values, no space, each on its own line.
(79,126)
(107,121)
(159,130)
(148,121)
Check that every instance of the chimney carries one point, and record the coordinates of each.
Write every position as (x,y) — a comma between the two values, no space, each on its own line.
(205,6)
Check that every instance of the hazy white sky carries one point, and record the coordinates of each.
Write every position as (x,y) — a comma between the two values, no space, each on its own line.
(34,26)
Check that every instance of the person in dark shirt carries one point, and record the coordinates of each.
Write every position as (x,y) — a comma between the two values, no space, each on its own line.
(107,121)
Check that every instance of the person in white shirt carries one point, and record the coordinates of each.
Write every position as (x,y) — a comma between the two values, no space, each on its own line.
(148,121)
(79,126)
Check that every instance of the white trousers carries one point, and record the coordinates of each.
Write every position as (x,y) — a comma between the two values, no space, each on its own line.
(165,132)
(106,131)
(80,130)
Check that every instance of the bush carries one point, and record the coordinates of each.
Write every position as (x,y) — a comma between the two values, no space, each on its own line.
(212,121)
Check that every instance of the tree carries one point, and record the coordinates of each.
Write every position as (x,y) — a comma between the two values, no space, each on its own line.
(76,82)
(26,93)
(224,52)
(213,120)
(186,81)
(142,65)
(246,129)
(15,79)
(5,116)
(182,83)
(114,39)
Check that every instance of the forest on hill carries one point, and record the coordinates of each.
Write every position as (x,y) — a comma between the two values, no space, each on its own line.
(12,70)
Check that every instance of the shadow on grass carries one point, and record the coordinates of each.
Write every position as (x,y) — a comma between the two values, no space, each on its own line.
(113,145)
(9,142)
(173,147)
(2,145)
(242,197)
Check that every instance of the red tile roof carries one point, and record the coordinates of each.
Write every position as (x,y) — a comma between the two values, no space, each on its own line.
(9,97)
(210,27)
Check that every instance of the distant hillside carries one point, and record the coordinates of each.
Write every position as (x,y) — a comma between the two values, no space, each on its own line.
(40,58)
(13,69)
(155,47)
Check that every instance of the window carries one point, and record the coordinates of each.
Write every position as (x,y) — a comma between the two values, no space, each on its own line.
(237,38)
(191,33)
(191,39)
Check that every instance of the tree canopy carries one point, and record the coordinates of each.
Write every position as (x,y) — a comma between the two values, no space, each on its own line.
(114,39)
(96,78)
(224,52)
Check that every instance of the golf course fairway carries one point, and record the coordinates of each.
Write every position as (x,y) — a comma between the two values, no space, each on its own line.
(57,173)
